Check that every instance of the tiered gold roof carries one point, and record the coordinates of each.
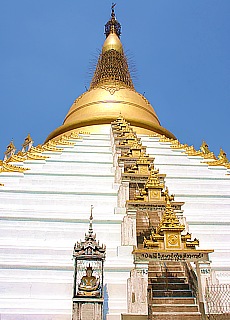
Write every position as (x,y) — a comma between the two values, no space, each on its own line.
(111,93)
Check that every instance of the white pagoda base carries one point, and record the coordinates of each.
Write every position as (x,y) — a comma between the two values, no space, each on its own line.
(45,211)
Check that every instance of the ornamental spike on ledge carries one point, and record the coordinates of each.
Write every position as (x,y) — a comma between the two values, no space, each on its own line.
(91,221)
(27,144)
(10,150)
(90,248)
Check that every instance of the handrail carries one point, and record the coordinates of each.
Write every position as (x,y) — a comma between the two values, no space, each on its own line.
(192,279)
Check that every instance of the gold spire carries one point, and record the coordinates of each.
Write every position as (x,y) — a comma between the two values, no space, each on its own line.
(112,66)
(111,93)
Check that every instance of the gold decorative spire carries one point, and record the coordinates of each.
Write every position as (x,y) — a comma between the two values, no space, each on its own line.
(169,221)
(113,26)
(168,235)
(112,66)
(111,93)
(154,180)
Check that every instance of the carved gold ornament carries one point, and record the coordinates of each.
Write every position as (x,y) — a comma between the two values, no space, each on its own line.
(6,167)
(173,239)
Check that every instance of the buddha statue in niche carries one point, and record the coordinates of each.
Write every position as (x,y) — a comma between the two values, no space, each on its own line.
(89,285)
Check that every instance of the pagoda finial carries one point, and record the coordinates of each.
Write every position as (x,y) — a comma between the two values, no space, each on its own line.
(91,221)
(113,6)
(113,26)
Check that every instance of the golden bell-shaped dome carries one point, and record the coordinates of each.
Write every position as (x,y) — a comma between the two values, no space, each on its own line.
(111,93)
(112,42)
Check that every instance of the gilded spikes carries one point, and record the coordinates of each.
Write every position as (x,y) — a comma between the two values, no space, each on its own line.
(112,72)
(50,146)
(32,153)
(74,135)
(35,156)
(7,167)
(37,149)
(222,160)
(191,151)
(203,152)
(165,139)
(175,144)
(16,158)
(64,141)
(156,135)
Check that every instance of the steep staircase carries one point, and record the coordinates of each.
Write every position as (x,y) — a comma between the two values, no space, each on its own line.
(172,295)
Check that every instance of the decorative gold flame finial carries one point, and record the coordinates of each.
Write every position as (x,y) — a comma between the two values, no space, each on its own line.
(113,26)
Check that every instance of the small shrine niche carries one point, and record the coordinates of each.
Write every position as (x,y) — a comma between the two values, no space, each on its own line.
(89,258)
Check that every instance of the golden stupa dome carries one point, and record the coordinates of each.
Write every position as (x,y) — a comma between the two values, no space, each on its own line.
(111,94)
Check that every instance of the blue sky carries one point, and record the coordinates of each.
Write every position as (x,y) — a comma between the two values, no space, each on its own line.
(180,48)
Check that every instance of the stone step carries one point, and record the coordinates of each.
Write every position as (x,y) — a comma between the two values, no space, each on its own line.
(176,316)
(167,264)
(158,273)
(168,279)
(170,286)
(172,263)
(172,293)
(173,301)
(163,270)
(174,308)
